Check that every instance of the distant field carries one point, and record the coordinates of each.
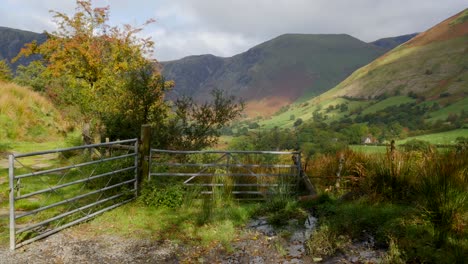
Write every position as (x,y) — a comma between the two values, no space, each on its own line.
(448,137)
(443,138)
(396,100)
(368,149)
(443,113)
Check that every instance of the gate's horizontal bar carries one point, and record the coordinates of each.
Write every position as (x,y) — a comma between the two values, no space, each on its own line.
(236,192)
(220,174)
(223,165)
(48,233)
(73,199)
(223,152)
(72,183)
(235,185)
(74,166)
(74,148)
(68,213)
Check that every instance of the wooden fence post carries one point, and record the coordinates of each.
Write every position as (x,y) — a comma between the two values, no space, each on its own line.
(144,153)
(340,168)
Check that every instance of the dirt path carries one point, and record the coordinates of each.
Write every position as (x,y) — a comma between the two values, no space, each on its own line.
(255,243)
(67,247)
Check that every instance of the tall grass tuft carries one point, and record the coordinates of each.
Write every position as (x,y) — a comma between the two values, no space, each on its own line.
(443,191)
(391,177)
(28,116)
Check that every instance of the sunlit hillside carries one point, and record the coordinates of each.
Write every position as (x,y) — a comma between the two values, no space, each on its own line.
(430,69)
(26,115)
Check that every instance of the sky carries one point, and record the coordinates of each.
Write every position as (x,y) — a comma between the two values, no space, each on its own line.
(228,27)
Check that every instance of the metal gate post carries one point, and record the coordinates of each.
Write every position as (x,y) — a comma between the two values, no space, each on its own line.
(136,170)
(11,175)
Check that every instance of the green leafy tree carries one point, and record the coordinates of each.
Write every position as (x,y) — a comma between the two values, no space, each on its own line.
(418,145)
(143,103)
(298,122)
(355,133)
(32,75)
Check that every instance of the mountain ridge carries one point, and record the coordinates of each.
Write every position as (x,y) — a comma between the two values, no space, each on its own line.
(433,62)
(11,42)
(274,73)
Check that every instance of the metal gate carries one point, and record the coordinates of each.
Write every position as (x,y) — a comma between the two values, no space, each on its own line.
(247,174)
(86,181)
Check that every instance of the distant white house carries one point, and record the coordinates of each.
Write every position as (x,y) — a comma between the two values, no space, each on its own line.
(369,140)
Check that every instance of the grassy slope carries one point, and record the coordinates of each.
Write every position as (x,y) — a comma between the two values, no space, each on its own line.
(443,113)
(432,63)
(407,69)
(396,100)
(27,116)
(448,137)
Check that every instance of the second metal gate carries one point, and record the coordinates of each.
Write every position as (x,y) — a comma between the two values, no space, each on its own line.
(247,174)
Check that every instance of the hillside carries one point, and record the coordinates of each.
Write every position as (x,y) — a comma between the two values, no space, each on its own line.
(27,116)
(275,73)
(432,63)
(429,70)
(11,42)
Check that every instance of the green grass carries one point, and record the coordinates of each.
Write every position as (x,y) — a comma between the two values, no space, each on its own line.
(414,204)
(407,65)
(26,115)
(455,108)
(443,138)
(305,110)
(395,100)
(460,19)
(368,149)
(448,137)
(400,228)
(179,224)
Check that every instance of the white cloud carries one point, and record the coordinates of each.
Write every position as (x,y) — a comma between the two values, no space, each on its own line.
(170,45)
(188,27)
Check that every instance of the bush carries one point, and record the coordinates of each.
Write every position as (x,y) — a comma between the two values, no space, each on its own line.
(168,196)
(418,145)
(4,146)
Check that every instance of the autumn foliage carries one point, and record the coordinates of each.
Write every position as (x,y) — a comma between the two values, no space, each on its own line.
(106,72)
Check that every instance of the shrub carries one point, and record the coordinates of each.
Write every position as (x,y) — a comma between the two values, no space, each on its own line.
(4,146)
(418,145)
(168,196)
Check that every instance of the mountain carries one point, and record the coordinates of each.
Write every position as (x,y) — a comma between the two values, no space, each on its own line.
(274,73)
(393,42)
(434,62)
(429,70)
(11,42)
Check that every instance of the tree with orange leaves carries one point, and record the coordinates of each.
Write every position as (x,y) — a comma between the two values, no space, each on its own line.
(91,60)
